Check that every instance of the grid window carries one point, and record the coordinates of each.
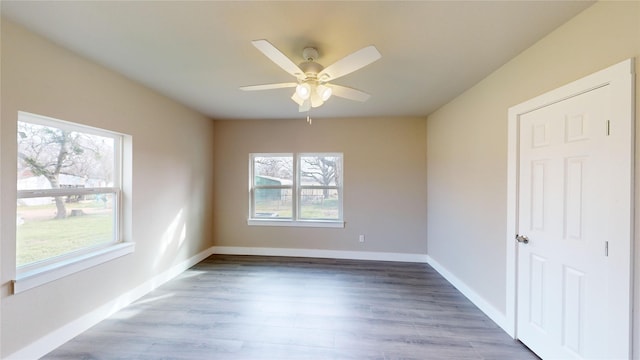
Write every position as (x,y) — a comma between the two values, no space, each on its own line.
(296,188)
(69,187)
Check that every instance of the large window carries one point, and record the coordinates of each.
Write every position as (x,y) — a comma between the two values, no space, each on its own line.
(296,189)
(69,191)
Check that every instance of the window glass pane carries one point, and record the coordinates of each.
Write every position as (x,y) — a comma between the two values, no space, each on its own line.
(273,170)
(320,204)
(51,158)
(320,170)
(41,234)
(272,203)
(316,185)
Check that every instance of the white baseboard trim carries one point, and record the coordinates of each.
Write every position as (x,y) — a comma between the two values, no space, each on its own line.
(494,314)
(65,333)
(318,253)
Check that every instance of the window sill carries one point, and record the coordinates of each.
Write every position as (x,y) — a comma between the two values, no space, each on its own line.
(40,276)
(297,223)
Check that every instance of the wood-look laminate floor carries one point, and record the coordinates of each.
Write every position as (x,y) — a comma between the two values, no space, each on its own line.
(254,307)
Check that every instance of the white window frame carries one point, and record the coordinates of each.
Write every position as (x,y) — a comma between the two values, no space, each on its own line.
(296,188)
(40,272)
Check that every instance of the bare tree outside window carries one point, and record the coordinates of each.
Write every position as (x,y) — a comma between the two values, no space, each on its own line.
(276,166)
(49,152)
(321,170)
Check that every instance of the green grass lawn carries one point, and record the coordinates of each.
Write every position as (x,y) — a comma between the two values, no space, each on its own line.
(39,240)
(327,209)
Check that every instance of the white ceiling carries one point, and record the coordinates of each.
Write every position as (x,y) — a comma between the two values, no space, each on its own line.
(199,52)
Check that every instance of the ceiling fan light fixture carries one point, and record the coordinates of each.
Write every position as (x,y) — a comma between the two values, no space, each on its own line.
(303,91)
(304,105)
(297,99)
(324,92)
(316,100)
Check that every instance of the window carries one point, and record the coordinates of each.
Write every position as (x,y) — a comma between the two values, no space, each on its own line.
(296,189)
(68,193)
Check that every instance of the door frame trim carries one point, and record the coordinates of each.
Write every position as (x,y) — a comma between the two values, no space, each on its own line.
(621,77)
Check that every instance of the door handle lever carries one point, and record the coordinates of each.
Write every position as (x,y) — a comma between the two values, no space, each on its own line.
(522,239)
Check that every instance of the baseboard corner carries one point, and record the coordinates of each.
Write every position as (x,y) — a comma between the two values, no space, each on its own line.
(494,314)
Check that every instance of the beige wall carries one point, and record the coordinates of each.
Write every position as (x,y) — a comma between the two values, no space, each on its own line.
(467,141)
(385,173)
(384,176)
(172,175)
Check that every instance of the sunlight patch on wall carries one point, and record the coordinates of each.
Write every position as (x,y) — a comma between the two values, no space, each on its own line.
(173,237)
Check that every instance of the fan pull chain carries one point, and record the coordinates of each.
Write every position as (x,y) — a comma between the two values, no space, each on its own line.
(309,120)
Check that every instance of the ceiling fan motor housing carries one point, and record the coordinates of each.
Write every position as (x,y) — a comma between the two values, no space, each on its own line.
(311,69)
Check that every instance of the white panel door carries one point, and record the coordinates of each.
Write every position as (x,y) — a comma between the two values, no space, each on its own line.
(564,206)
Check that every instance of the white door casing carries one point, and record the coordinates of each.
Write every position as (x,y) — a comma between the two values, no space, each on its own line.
(570,191)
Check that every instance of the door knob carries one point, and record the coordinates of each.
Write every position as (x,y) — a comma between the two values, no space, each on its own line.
(522,239)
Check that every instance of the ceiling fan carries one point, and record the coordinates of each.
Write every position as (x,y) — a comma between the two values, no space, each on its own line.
(312,85)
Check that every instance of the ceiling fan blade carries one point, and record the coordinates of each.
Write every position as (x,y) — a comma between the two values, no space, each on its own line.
(268,86)
(350,63)
(348,93)
(278,57)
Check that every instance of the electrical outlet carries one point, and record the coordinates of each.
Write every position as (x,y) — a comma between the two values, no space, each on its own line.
(361,238)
